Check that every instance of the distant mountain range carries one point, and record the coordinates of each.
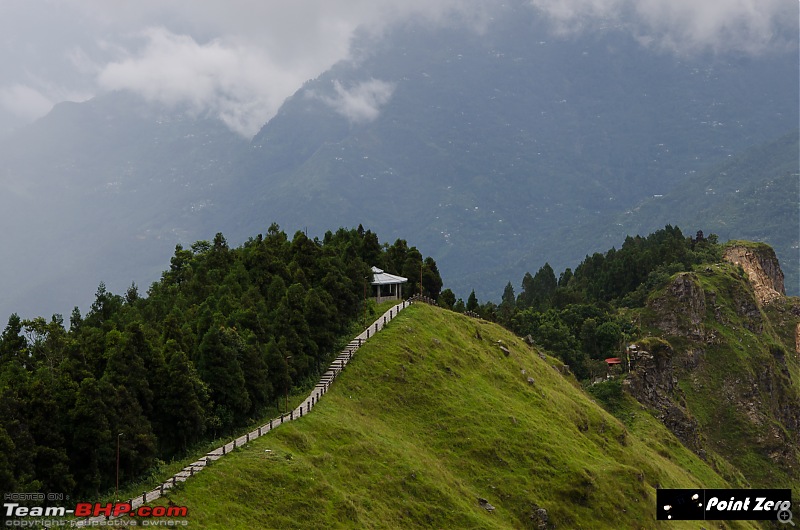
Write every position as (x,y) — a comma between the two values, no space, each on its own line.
(494,151)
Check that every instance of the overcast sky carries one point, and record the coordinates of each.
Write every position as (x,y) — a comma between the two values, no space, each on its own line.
(239,59)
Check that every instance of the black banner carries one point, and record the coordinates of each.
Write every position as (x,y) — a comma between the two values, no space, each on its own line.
(724,504)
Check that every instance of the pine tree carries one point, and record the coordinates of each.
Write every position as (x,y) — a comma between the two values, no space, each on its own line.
(92,444)
(13,346)
(447,299)
(472,302)
(182,417)
(218,365)
(507,307)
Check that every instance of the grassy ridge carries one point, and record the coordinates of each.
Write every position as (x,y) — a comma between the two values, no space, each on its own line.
(430,416)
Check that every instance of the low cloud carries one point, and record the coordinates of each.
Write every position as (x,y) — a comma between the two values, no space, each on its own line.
(234,82)
(360,103)
(240,59)
(24,101)
(29,102)
(257,53)
(686,26)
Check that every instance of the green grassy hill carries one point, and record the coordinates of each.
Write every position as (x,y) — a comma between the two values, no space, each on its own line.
(431,416)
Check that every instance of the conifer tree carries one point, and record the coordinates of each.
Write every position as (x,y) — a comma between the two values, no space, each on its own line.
(507,307)
(472,302)
(182,417)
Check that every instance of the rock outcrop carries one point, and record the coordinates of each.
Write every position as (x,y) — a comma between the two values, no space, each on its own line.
(763,270)
(653,382)
(683,308)
(734,346)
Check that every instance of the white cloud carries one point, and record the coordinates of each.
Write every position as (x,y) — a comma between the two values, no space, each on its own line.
(24,101)
(258,53)
(237,83)
(362,102)
(239,59)
(687,26)
(29,103)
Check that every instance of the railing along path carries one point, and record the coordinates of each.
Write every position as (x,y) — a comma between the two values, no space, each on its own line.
(305,407)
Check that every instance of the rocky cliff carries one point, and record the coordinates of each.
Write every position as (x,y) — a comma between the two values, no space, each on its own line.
(722,369)
(653,382)
(761,265)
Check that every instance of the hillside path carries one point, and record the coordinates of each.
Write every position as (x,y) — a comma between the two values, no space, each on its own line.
(305,407)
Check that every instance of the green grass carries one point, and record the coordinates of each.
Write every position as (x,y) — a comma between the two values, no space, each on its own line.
(165,470)
(430,416)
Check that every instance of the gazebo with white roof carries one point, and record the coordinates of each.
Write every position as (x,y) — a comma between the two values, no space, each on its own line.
(386,286)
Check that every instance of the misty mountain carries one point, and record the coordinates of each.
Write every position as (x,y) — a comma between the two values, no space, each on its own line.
(102,191)
(751,196)
(494,149)
(502,149)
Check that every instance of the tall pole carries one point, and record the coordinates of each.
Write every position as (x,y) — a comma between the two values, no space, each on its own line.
(116,488)
(365,301)
(286,403)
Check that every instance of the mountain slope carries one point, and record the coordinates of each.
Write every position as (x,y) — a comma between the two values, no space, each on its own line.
(103,190)
(498,147)
(726,365)
(752,196)
(431,416)
(492,147)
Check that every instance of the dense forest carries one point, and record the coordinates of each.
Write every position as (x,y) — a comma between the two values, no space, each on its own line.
(212,346)
(575,315)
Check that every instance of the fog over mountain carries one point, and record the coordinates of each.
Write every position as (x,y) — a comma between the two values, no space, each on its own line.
(496,135)
(240,59)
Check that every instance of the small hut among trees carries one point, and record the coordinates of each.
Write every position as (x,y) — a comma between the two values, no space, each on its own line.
(386,286)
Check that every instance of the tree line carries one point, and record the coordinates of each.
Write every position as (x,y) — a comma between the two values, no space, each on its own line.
(215,343)
(576,315)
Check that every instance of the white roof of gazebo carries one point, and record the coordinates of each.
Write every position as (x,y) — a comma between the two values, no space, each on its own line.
(384,278)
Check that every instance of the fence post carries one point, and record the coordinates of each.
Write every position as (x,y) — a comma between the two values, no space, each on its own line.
(234,443)
(281,419)
(376,327)
(161,489)
(359,342)
(247,438)
(223,449)
(259,431)
(191,471)
(301,411)
(270,424)
(144,497)
(291,415)
(367,332)
(384,320)
(174,479)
